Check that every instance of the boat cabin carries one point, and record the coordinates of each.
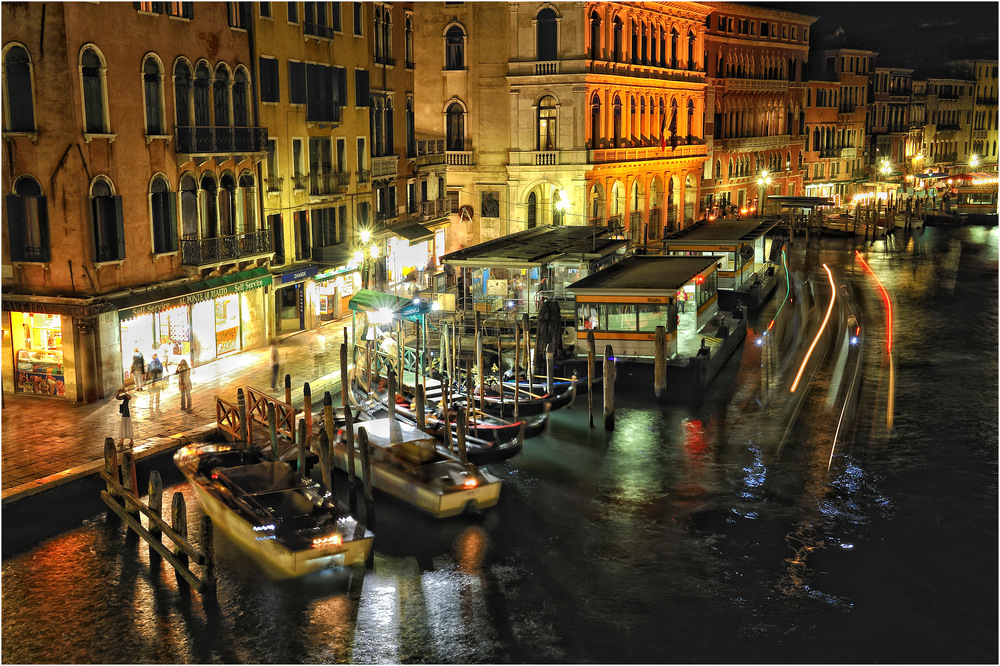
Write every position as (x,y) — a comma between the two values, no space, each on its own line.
(624,303)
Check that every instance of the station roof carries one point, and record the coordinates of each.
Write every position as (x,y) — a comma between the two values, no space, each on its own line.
(647,273)
(789,201)
(722,232)
(538,246)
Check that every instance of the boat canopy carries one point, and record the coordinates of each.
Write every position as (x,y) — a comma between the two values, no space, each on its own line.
(367,300)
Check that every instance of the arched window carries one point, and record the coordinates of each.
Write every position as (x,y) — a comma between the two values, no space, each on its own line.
(532,210)
(595,122)
(108,226)
(454,48)
(208,212)
(377,34)
(673,48)
(17,96)
(634,55)
(227,205)
(547,123)
(644,39)
(546,44)
(729,173)
(411,139)
(409,42)
(390,144)
(28,222)
(718,169)
(246,211)
(153,95)
(663,123)
(642,117)
(617,135)
(387,36)
(456,127)
(618,56)
(220,95)
(163,209)
(92,72)
(182,94)
(189,207)
(241,116)
(690,119)
(692,64)
(632,123)
(663,48)
(202,84)
(595,36)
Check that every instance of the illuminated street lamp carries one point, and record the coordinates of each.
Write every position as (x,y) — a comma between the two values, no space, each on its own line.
(973,161)
(366,256)
(562,205)
(763,183)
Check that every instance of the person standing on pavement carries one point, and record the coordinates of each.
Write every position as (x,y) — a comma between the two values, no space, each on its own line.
(274,364)
(183,373)
(155,370)
(138,368)
(125,430)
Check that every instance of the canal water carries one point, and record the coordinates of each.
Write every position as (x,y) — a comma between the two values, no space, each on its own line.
(713,530)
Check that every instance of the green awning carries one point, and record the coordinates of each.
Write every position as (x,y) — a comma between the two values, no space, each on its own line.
(155,300)
(372,301)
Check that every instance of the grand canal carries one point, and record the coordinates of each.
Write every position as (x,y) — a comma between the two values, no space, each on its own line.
(853,520)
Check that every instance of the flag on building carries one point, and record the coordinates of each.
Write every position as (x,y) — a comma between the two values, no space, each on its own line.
(663,131)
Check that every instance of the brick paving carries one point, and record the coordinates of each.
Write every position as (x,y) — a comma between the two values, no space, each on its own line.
(48,441)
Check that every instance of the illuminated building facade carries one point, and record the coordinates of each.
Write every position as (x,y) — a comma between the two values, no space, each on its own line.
(836,106)
(564,113)
(132,214)
(984,113)
(755,104)
(888,120)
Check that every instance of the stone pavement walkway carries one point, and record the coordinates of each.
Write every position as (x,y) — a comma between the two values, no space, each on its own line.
(48,441)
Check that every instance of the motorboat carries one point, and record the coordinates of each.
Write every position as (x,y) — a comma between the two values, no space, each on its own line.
(412,465)
(287,522)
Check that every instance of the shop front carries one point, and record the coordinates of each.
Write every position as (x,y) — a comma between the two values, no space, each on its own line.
(215,318)
(37,346)
(334,290)
(411,259)
(291,312)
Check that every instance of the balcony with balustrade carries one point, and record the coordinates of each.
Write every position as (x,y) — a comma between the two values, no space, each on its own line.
(211,141)
(386,165)
(329,184)
(695,148)
(459,158)
(430,152)
(203,252)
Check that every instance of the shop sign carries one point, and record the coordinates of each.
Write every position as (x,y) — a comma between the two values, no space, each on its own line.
(196,297)
(297,276)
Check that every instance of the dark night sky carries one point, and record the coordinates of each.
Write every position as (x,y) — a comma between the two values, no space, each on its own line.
(908,33)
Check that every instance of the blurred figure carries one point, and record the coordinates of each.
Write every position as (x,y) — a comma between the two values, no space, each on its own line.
(138,368)
(183,373)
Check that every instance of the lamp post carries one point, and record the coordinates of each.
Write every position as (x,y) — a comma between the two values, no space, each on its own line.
(763,183)
(973,161)
(365,256)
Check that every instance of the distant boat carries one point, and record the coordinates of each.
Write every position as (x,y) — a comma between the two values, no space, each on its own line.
(286,522)
(527,406)
(411,464)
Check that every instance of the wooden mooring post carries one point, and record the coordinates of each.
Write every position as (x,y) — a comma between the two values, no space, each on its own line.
(345,393)
(307,413)
(609,388)
(660,360)
(366,478)
(591,366)
(183,552)
(288,389)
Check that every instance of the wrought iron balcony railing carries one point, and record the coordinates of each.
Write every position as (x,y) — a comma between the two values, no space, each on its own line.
(221,140)
(201,251)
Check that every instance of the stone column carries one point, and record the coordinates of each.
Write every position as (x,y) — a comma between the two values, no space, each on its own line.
(89,386)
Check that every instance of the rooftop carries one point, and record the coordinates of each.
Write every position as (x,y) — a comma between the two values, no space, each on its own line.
(538,246)
(647,273)
(728,231)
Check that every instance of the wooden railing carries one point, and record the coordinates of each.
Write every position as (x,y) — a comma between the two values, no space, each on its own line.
(284,413)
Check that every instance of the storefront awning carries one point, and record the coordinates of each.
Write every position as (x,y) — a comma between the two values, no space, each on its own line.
(414,233)
(155,300)
(373,301)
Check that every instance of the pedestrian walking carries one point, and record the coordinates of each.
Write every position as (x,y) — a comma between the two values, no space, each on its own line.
(155,369)
(138,368)
(125,429)
(183,373)
(274,364)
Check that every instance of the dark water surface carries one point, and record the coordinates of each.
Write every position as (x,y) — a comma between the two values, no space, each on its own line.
(712,531)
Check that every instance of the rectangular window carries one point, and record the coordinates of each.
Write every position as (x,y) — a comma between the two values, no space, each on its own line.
(453,198)
(651,316)
(265,10)
(722,24)
(300,230)
(239,14)
(293,12)
(763,29)
(784,32)
(297,158)
(361,94)
(277,239)
(364,214)
(341,155)
(272,160)
(359,18)
(180,9)
(340,79)
(269,91)
(320,94)
(342,224)
(296,82)
(362,176)
(324,227)
(335,16)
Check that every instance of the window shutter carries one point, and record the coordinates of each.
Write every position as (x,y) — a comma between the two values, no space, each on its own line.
(361,94)
(120,226)
(15,226)
(297,82)
(171,222)
(43,228)
(340,78)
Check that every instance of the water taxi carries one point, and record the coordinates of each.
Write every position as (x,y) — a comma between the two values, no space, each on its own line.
(411,464)
(287,522)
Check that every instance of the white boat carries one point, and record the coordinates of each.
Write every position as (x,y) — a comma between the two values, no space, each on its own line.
(412,465)
(289,523)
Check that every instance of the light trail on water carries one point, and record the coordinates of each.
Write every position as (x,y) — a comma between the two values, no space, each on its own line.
(890,402)
(822,328)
